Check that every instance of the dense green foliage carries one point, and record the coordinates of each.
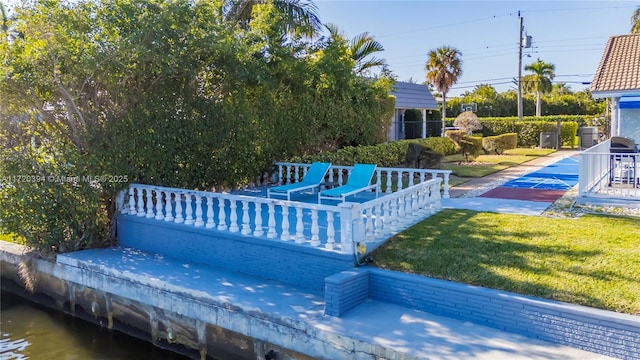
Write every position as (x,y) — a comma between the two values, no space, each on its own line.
(184,94)
(529,128)
(560,101)
(384,155)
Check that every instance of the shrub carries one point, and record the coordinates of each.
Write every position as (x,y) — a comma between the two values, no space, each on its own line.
(470,147)
(500,143)
(455,135)
(467,121)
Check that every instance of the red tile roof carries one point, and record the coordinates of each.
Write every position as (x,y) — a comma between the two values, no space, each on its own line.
(619,68)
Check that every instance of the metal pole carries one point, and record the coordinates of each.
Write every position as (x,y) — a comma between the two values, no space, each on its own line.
(520,68)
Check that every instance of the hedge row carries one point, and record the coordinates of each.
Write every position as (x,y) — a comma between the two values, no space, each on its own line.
(384,155)
(529,130)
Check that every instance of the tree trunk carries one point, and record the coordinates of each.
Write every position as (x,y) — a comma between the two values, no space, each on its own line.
(538,104)
(444,112)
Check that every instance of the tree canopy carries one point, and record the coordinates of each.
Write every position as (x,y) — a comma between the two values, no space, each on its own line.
(443,67)
(166,93)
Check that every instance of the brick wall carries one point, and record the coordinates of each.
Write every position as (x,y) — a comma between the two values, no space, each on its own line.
(302,266)
(598,331)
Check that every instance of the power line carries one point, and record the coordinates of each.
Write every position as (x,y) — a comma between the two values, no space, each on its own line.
(445,25)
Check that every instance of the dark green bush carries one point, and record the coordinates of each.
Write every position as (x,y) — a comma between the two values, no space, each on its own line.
(470,146)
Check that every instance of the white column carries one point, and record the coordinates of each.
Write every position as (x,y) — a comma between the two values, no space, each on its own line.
(615,117)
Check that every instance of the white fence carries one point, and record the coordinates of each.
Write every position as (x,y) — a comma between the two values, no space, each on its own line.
(336,228)
(609,176)
(388,179)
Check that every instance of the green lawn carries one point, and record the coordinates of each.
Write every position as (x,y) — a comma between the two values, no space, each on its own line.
(488,164)
(592,260)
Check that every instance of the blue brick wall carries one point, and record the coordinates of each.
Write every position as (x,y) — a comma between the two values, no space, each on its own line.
(345,290)
(302,266)
(594,330)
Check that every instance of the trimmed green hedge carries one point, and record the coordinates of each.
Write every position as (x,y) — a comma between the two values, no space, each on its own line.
(384,155)
(500,143)
(529,128)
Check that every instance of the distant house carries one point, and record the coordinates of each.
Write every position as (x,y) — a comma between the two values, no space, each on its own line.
(618,79)
(410,96)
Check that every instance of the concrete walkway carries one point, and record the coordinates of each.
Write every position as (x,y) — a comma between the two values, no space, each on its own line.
(467,195)
(373,330)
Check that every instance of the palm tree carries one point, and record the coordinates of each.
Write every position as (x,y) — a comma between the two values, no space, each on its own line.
(635,21)
(301,15)
(360,47)
(444,67)
(540,81)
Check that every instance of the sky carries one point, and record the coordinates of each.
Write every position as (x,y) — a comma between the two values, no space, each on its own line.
(569,34)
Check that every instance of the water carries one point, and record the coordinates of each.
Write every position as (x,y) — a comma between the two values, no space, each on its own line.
(29,331)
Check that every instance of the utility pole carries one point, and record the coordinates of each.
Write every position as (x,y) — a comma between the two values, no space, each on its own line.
(520,67)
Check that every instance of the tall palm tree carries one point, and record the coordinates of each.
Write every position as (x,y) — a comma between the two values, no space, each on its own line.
(360,48)
(540,81)
(444,67)
(301,15)
(635,21)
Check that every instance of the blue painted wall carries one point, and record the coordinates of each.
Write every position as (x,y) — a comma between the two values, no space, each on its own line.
(302,266)
(598,331)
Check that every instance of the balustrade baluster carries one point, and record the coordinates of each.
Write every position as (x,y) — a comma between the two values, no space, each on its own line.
(388,190)
(285,235)
(379,221)
(150,206)
(271,232)
(299,238)
(211,223)
(132,200)
(368,229)
(411,175)
(288,174)
(280,174)
(179,219)
(258,231)
(315,229)
(379,179)
(188,209)
(140,201)
(199,221)
(233,216)
(399,181)
(159,214)
(168,207)
(401,213)
(414,203)
(394,215)
(246,225)
(296,176)
(331,231)
(222,216)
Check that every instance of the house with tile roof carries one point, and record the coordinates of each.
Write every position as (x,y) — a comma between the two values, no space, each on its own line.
(410,96)
(610,171)
(618,79)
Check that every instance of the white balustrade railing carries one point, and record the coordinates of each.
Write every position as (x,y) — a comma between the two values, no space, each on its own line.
(333,227)
(609,175)
(388,179)
(242,214)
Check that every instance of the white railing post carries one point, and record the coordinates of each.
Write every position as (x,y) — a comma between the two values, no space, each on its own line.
(222,216)
(379,221)
(258,231)
(331,240)
(179,219)
(132,200)
(188,209)
(199,221)
(348,235)
(168,207)
(233,216)
(315,229)
(246,225)
(150,206)
(159,214)
(140,201)
(284,235)
(388,190)
(299,237)
(211,223)
(271,233)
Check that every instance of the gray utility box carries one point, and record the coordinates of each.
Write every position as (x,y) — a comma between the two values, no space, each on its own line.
(548,140)
(588,136)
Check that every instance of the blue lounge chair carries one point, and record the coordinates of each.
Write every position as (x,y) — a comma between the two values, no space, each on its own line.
(311,180)
(359,180)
